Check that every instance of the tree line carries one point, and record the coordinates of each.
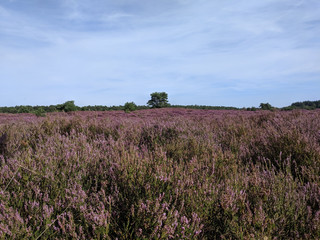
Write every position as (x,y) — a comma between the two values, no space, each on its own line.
(158,100)
(68,106)
(310,105)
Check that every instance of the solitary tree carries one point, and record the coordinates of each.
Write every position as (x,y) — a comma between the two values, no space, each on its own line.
(130,106)
(68,106)
(266,106)
(158,100)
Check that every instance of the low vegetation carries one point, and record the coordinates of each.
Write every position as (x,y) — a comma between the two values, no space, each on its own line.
(165,173)
(158,100)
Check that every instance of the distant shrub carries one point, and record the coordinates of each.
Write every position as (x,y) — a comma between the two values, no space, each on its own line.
(40,112)
(130,107)
(68,106)
(252,109)
(266,106)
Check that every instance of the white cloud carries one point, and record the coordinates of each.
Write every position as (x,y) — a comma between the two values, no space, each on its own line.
(186,46)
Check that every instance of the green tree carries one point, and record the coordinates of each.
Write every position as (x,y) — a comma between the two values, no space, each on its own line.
(266,106)
(68,106)
(130,106)
(40,112)
(158,100)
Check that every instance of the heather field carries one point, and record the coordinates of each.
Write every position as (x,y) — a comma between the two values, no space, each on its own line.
(160,174)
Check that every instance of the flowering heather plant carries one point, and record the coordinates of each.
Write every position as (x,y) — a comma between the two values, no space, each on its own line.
(160,174)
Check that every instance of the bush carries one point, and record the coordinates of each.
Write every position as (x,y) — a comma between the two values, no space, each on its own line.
(130,107)
(40,112)
(68,106)
(266,106)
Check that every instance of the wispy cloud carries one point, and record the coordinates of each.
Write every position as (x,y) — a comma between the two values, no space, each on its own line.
(200,52)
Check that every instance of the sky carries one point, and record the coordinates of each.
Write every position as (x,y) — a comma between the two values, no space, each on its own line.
(207,52)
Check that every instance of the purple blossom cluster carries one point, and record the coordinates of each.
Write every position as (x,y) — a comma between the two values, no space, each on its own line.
(160,174)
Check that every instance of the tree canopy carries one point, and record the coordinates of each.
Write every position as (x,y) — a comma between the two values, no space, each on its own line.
(266,106)
(158,100)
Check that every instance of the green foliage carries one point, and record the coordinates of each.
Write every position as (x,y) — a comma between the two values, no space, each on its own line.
(40,112)
(24,109)
(68,106)
(251,109)
(130,106)
(309,105)
(306,105)
(158,100)
(266,106)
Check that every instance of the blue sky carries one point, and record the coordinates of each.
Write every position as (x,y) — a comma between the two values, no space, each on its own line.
(207,52)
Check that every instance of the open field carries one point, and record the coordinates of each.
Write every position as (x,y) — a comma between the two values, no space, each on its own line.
(160,174)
